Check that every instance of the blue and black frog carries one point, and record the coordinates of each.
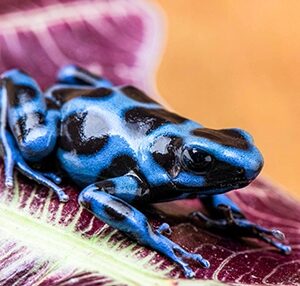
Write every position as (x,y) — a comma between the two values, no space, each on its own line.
(124,149)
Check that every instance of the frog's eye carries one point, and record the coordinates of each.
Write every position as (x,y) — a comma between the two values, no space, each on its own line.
(196,160)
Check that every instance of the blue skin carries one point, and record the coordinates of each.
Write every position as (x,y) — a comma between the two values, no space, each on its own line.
(124,149)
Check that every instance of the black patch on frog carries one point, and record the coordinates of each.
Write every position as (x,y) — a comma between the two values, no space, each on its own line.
(73,136)
(163,193)
(136,94)
(51,104)
(119,166)
(165,153)
(225,137)
(26,123)
(117,210)
(65,94)
(149,119)
(107,186)
(19,94)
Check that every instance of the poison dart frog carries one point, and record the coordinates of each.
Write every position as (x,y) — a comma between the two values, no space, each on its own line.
(122,148)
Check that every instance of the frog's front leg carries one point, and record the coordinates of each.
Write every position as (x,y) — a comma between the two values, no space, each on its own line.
(31,133)
(228,217)
(103,200)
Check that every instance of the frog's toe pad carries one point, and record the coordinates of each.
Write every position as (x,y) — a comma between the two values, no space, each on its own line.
(188,272)
(9,182)
(164,228)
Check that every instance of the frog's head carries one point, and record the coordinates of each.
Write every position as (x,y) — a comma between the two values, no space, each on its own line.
(216,161)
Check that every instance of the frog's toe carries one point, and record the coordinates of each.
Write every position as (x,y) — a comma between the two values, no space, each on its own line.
(53,177)
(205,263)
(164,228)
(286,249)
(188,272)
(183,255)
(198,258)
(192,256)
(9,180)
(271,236)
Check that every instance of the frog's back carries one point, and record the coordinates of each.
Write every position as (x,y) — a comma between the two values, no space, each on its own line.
(102,129)
(90,116)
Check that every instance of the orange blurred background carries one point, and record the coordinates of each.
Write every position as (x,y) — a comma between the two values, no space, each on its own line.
(237,64)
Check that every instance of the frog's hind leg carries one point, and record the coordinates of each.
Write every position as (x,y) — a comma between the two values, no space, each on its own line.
(34,128)
(228,217)
(75,75)
(101,199)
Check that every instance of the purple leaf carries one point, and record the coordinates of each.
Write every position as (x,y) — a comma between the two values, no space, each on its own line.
(119,39)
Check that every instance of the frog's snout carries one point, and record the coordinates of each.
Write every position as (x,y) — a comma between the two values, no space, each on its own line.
(254,170)
(252,159)
(254,164)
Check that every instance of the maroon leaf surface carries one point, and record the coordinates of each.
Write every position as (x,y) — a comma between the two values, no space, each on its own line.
(121,39)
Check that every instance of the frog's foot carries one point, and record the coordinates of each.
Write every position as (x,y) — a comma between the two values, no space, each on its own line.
(176,252)
(237,225)
(13,158)
(179,256)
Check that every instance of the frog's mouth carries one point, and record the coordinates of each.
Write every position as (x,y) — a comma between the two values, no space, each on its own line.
(214,188)
(233,185)
(223,187)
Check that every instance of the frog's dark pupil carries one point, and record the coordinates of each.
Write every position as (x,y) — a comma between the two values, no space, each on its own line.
(197,160)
